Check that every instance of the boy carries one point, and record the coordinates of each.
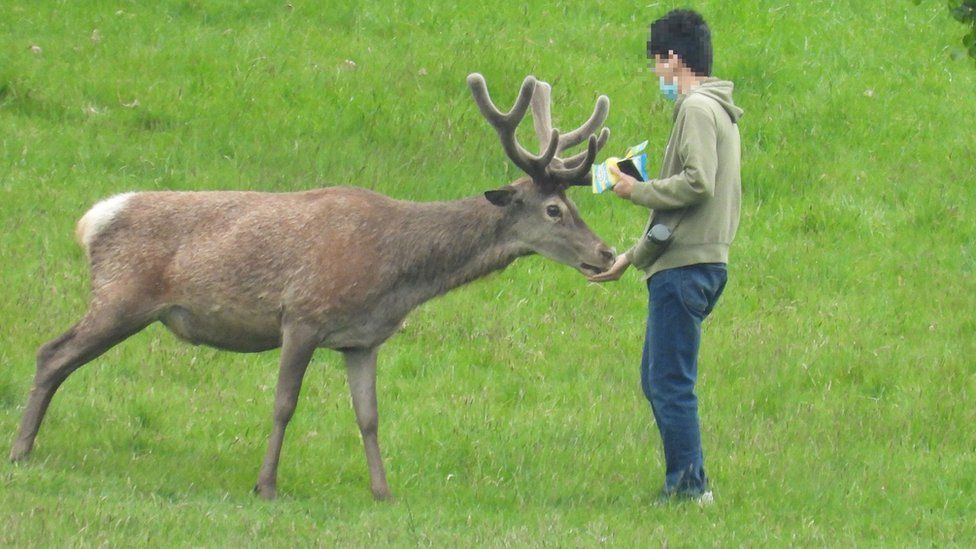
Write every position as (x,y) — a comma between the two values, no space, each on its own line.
(697,197)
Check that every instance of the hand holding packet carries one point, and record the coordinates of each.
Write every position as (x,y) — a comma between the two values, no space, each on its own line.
(632,164)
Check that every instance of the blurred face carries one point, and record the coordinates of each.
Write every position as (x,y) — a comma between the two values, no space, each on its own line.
(667,67)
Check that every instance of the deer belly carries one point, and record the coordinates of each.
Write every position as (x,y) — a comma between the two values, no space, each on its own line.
(223,329)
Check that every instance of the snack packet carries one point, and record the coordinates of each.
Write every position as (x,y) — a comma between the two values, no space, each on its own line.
(632,164)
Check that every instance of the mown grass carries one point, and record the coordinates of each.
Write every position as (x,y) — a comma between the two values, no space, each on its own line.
(837,375)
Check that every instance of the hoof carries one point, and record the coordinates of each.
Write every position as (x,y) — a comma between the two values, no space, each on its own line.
(382,494)
(19,453)
(266,492)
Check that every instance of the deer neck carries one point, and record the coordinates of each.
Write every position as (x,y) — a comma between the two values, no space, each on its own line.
(448,244)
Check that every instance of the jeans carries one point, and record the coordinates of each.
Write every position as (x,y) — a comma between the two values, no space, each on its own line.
(679,301)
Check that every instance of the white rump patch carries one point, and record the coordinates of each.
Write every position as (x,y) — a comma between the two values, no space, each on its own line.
(99,217)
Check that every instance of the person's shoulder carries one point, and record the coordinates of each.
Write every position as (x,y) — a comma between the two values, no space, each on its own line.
(699,106)
(700,101)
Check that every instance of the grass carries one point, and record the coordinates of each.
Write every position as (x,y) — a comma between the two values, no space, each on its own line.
(837,374)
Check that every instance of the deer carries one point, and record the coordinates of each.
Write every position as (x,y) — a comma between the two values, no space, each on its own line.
(335,267)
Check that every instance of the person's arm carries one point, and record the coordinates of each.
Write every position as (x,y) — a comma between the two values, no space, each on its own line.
(697,151)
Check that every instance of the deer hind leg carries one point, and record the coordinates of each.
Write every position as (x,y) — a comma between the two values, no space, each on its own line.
(98,331)
(297,346)
(361,370)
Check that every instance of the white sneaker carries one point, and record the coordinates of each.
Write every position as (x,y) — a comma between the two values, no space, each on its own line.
(705,499)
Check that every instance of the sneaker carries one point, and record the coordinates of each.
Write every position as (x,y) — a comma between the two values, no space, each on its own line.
(705,499)
(666,497)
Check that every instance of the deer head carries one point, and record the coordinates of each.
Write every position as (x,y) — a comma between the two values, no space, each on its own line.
(542,217)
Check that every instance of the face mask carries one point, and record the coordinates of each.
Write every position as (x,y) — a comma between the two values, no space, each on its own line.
(670,91)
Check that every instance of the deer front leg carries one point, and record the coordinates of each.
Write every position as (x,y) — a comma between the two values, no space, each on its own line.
(297,346)
(361,370)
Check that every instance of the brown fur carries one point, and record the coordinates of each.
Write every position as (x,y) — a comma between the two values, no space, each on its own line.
(236,270)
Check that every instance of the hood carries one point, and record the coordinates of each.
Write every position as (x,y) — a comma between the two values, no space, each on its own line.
(719,90)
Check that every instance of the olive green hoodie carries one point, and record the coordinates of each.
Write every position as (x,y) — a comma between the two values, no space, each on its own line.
(699,186)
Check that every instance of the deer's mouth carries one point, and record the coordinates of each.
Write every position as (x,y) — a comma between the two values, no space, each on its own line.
(587,268)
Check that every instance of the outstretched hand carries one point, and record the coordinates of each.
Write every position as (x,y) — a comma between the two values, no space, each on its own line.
(614,272)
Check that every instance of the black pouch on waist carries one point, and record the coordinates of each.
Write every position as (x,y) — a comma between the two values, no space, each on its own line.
(656,240)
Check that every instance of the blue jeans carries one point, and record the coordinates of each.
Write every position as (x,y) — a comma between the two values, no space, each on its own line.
(679,301)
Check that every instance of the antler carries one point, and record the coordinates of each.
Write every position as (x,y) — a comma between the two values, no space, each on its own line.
(542,116)
(547,166)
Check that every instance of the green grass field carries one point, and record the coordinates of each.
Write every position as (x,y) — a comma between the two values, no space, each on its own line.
(837,375)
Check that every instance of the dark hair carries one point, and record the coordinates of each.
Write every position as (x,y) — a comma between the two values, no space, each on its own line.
(686,34)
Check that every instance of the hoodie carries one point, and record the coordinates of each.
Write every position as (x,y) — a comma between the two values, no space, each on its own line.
(698,193)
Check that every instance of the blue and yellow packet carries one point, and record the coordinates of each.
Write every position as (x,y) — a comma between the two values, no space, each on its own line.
(632,164)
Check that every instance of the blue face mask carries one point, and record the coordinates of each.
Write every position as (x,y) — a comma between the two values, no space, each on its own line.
(669,90)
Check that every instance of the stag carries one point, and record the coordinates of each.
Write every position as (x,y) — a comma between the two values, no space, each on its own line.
(337,267)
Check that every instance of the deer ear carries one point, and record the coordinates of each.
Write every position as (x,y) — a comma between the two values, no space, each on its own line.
(502,196)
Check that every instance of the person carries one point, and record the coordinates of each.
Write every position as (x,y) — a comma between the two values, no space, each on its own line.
(697,197)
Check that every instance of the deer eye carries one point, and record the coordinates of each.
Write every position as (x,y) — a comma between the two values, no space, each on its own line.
(553,211)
